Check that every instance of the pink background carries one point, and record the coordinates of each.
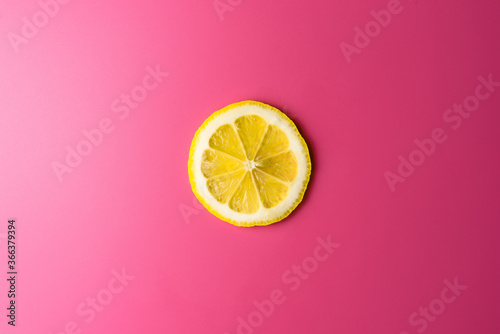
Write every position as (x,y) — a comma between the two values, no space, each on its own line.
(128,204)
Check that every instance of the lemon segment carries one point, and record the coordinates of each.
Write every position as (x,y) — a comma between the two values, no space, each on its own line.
(249,165)
(245,199)
(215,163)
(274,142)
(223,187)
(271,191)
(251,131)
(282,166)
(226,140)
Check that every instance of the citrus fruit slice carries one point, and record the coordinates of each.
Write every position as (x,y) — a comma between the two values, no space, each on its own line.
(249,165)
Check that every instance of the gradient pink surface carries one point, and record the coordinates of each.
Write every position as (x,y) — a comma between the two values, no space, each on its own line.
(127,206)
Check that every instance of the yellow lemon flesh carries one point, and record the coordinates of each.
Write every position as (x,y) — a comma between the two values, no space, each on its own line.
(249,165)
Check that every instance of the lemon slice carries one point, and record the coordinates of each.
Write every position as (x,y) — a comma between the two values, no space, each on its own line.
(249,165)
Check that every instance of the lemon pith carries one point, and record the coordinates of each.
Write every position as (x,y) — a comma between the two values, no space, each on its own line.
(248,164)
